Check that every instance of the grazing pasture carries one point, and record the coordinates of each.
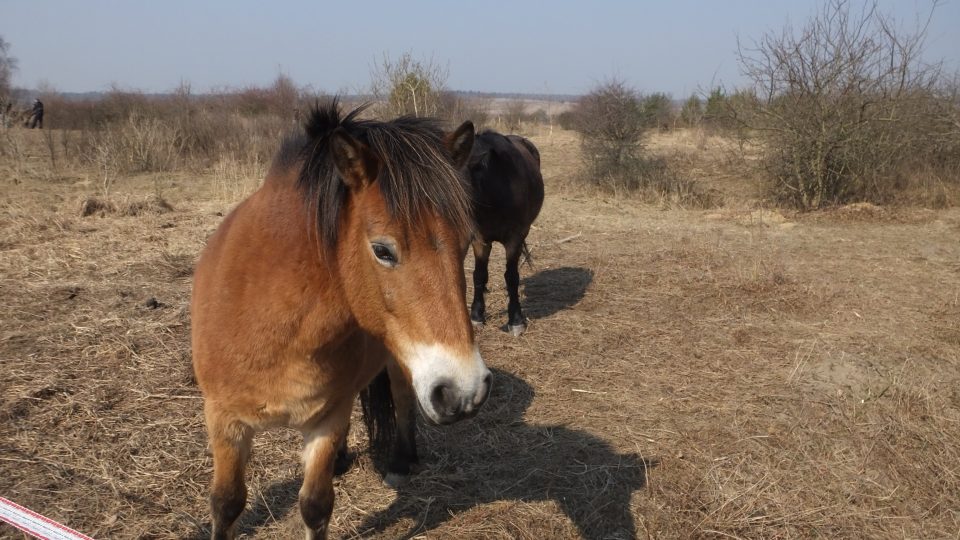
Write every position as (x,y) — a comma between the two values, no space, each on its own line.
(730,372)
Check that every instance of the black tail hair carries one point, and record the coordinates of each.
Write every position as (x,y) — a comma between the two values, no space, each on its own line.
(376,402)
(526,254)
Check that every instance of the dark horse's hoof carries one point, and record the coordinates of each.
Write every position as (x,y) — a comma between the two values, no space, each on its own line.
(398,479)
(516,330)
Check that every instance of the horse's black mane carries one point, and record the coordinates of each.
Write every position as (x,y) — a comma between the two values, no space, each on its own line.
(417,172)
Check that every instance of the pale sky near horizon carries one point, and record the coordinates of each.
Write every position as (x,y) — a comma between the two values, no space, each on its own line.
(559,47)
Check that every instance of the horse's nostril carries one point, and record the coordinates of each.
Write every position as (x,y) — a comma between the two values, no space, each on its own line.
(443,398)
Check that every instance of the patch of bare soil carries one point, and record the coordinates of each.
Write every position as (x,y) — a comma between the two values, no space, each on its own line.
(683,376)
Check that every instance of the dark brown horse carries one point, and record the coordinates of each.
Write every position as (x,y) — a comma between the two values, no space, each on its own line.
(508,195)
(349,257)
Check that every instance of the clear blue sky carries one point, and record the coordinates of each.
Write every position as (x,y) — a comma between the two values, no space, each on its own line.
(505,46)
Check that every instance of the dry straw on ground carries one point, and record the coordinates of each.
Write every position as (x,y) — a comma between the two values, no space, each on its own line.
(683,375)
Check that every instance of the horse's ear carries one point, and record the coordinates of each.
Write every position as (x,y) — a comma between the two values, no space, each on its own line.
(460,143)
(354,161)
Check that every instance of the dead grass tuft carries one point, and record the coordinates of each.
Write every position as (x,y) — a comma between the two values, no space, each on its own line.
(98,206)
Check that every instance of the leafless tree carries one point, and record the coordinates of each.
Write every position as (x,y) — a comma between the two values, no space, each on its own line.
(514,112)
(8,65)
(842,105)
(408,86)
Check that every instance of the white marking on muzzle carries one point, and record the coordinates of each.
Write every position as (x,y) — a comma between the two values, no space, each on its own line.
(431,363)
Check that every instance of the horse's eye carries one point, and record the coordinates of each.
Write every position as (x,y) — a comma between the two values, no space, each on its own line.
(385,254)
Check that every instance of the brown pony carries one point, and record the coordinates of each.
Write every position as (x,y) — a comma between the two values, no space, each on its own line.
(347,259)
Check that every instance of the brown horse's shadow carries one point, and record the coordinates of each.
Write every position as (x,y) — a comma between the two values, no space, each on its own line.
(553,290)
(499,457)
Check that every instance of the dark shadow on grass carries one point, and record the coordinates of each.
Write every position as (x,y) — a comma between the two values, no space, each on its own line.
(499,457)
(272,504)
(553,290)
(275,502)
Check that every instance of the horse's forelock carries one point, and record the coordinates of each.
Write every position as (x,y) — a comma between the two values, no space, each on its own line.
(417,175)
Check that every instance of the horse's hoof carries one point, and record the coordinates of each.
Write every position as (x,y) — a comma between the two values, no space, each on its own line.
(516,330)
(396,480)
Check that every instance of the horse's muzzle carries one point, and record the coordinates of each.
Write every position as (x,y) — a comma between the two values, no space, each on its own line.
(450,404)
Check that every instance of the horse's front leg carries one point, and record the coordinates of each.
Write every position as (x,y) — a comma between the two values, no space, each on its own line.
(321,443)
(230,441)
(481,256)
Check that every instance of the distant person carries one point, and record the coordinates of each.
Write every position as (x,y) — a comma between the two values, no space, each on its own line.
(36,115)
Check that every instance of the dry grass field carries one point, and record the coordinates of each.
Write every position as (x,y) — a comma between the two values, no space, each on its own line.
(732,372)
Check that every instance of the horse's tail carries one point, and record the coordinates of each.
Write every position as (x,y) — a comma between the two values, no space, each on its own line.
(376,402)
(525,250)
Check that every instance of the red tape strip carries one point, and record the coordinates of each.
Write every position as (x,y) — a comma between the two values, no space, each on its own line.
(35,524)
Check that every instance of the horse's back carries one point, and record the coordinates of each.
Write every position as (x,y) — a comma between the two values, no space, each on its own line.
(509,188)
(528,146)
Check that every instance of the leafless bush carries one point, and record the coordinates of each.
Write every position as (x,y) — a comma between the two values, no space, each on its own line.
(49,139)
(612,122)
(514,112)
(130,132)
(691,114)
(408,86)
(658,110)
(567,120)
(457,109)
(8,65)
(845,106)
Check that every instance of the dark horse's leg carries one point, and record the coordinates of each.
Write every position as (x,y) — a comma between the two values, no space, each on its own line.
(344,459)
(404,460)
(481,256)
(516,323)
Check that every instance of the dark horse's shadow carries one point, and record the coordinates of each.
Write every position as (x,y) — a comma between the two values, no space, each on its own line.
(553,290)
(498,456)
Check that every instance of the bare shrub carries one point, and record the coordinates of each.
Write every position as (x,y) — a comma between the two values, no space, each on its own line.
(612,122)
(49,139)
(129,132)
(844,106)
(658,110)
(149,144)
(691,114)
(458,109)
(567,120)
(514,112)
(137,144)
(8,65)
(407,86)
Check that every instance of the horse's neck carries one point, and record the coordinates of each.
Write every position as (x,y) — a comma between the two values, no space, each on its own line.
(295,264)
